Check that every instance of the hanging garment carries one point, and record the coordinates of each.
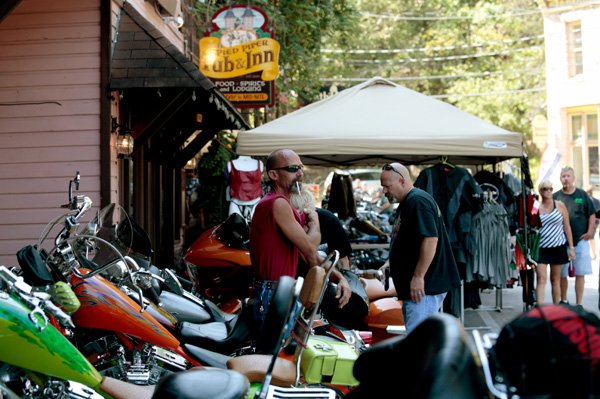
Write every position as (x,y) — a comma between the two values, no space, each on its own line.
(341,197)
(456,193)
(506,196)
(245,185)
(528,213)
(490,247)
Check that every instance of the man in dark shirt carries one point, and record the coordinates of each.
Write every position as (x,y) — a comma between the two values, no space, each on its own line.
(421,262)
(583,225)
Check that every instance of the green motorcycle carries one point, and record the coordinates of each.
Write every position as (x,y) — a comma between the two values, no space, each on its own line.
(37,361)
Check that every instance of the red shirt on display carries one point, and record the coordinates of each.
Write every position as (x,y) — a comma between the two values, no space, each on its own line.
(245,185)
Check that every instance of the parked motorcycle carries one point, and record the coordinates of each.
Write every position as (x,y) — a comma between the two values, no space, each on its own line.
(385,318)
(218,262)
(550,351)
(191,319)
(120,337)
(37,360)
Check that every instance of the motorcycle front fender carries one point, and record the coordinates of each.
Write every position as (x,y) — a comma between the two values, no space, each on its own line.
(26,341)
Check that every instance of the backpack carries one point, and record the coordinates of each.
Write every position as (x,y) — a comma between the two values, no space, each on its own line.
(551,350)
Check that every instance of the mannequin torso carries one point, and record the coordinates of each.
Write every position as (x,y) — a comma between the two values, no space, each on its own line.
(245,185)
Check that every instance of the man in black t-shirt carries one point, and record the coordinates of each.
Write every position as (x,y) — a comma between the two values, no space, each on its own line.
(582,219)
(421,262)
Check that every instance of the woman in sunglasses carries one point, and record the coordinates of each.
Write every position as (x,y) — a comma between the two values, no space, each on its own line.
(554,236)
(421,262)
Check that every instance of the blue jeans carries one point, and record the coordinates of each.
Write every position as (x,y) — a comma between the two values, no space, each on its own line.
(414,313)
(261,301)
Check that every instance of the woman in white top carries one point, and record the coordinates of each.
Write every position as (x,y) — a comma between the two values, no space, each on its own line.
(554,236)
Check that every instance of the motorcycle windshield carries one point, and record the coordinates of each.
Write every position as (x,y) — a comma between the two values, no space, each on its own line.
(118,235)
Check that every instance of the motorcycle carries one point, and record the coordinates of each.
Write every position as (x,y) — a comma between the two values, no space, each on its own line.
(550,351)
(191,319)
(385,318)
(218,262)
(38,361)
(120,337)
(225,248)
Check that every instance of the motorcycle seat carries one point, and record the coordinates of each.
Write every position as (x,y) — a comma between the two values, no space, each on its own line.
(222,337)
(284,371)
(375,289)
(432,361)
(202,384)
(120,389)
(277,315)
(186,310)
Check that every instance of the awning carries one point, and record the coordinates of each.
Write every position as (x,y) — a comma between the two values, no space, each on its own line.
(144,59)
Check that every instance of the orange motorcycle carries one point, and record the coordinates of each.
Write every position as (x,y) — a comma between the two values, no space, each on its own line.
(218,262)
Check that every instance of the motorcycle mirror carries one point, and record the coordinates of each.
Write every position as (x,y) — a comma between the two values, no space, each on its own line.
(75,180)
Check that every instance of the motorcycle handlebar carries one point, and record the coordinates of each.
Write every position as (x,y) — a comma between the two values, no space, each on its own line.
(40,301)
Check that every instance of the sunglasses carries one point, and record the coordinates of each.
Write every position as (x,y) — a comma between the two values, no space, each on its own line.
(546,189)
(387,166)
(290,168)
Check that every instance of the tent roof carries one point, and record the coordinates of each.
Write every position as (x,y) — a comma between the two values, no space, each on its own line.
(379,121)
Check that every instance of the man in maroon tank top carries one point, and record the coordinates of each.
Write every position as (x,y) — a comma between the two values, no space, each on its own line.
(277,235)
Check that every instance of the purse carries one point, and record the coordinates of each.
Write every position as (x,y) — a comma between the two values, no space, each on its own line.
(571,269)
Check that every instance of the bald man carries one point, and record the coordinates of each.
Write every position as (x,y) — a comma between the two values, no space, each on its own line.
(421,262)
(277,235)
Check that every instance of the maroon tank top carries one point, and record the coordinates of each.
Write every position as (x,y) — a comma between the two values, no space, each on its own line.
(271,253)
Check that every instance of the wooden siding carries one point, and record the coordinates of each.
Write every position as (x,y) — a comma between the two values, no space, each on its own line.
(49,114)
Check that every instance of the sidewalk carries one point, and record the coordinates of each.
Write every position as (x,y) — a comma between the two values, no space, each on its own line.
(489,319)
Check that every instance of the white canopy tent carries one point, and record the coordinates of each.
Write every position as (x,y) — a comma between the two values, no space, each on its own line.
(379,121)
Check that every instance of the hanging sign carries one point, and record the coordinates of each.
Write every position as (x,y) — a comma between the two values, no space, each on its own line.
(240,56)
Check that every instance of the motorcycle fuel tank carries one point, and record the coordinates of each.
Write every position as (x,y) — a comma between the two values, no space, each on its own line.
(26,341)
(105,307)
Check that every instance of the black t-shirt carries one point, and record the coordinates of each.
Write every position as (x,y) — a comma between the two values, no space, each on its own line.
(333,236)
(580,208)
(419,217)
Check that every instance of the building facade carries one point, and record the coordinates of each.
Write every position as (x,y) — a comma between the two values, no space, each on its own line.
(76,78)
(571,30)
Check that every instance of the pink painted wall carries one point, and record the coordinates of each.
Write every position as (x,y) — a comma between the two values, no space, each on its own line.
(49,114)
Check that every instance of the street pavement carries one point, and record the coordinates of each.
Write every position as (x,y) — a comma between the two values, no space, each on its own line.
(490,318)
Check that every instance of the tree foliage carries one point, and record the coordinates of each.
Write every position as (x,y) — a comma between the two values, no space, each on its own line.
(300,27)
(485,57)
